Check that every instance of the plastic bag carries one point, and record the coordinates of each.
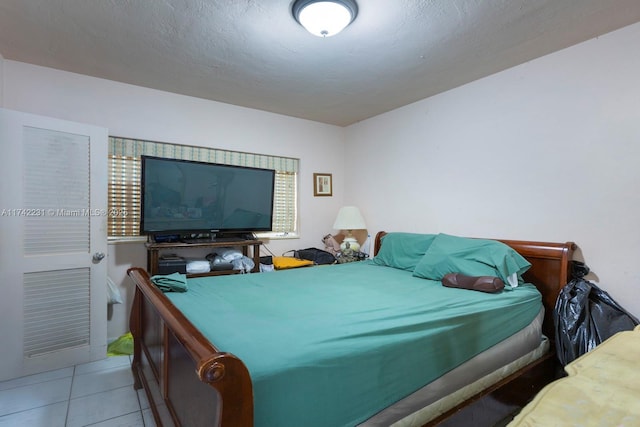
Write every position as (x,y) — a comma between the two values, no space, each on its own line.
(244,264)
(113,293)
(122,346)
(585,316)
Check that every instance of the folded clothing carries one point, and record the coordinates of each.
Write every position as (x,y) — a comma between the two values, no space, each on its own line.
(284,262)
(175,282)
(198,266)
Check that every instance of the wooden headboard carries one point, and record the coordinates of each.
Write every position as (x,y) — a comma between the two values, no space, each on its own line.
(549,271)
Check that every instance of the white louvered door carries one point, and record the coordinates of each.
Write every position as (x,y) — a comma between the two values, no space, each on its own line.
(53,217)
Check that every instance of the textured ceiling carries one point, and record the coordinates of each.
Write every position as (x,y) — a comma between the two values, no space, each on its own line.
(254,54)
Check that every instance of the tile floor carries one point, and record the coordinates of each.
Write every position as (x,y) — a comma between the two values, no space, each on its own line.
(97,394)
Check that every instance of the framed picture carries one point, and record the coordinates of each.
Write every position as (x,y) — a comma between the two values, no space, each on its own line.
(322,185)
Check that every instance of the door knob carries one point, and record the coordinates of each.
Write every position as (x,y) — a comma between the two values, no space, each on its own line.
(98,256)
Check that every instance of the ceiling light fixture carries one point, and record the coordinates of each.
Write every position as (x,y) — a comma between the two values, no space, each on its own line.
(324,18)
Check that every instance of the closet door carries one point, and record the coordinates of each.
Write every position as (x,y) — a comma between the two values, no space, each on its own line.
(53,238)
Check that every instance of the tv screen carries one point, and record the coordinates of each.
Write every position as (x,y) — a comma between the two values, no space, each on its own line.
(180,196)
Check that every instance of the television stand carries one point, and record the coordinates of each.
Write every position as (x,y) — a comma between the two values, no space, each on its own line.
(154,249)
(213,240)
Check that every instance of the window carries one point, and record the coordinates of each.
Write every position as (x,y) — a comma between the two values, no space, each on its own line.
(124,181)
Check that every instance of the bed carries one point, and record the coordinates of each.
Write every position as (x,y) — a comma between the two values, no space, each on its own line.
(193,379)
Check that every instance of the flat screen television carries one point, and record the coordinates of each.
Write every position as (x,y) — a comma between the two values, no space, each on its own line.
(189,197)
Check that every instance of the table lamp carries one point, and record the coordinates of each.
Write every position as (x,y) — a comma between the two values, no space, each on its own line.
(349,218)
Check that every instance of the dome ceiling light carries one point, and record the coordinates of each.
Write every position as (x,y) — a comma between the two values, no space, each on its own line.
(324,18)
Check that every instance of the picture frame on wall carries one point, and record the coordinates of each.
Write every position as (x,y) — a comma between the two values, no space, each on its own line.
(322,184)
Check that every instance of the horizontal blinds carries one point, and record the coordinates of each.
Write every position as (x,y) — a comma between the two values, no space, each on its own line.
(284,202)
(125,176)
(136,148)
(124,196)
(56,310)
(60,223)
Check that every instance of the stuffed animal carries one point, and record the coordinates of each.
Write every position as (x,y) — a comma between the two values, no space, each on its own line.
(331,245)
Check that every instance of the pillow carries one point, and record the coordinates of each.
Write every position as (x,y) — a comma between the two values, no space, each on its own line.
(403,250)
(471,257)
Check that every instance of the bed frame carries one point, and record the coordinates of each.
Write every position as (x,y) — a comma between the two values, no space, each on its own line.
(189,382)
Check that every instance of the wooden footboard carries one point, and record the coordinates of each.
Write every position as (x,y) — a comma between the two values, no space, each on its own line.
(185,377)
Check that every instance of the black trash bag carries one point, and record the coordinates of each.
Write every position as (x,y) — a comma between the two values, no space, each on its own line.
(585,315)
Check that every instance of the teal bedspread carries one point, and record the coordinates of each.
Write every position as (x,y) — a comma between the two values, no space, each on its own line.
(333,345)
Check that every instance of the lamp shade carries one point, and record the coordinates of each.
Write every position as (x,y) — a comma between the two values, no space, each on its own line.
(324,18)
(349,218)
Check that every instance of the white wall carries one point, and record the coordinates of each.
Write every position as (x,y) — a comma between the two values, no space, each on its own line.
(548,150)
(137,112)
(1,81)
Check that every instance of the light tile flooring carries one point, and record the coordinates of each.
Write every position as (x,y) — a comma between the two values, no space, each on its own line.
(96,394)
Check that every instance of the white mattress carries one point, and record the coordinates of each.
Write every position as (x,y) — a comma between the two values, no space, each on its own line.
(466,380)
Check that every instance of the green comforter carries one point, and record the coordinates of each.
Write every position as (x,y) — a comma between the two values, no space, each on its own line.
(332,345)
